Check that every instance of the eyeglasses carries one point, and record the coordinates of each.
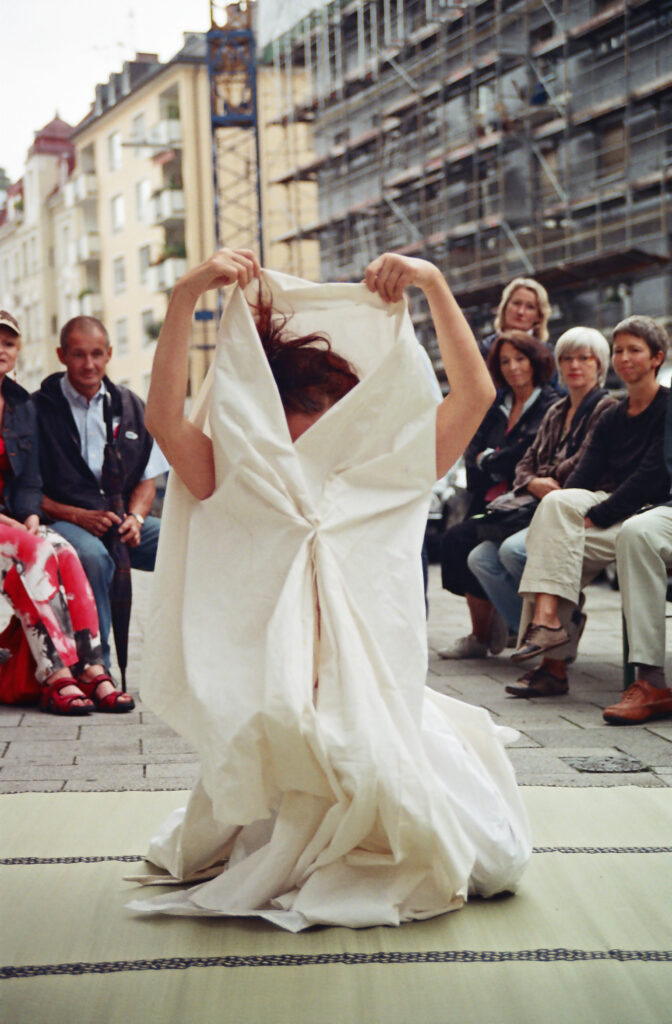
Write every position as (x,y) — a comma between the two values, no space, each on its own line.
(576,359)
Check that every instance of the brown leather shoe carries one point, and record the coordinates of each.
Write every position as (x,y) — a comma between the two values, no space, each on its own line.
(539,683)
(539,639)
(639,703)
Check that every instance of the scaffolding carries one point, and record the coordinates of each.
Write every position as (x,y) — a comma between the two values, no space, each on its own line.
(232,68)
(495,137)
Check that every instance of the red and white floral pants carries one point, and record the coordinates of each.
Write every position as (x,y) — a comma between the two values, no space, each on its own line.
(45,583)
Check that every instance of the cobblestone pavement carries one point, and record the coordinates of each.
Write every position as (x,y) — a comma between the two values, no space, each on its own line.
(41,752)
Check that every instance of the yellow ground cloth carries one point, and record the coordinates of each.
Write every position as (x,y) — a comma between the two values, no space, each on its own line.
(588,938)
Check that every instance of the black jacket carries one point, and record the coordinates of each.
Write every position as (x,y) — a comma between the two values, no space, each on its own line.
(65,475)
(22,491)
(499,466)
(625,457)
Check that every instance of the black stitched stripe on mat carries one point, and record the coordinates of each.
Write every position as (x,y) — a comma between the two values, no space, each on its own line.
(460,956)
(13,861)
(131,858)
(602,849)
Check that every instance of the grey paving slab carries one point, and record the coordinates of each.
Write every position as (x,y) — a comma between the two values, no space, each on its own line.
(138,751)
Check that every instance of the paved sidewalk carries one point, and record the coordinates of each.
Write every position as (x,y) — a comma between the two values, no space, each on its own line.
(41,752)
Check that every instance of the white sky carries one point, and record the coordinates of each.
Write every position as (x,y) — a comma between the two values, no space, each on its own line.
(56,51)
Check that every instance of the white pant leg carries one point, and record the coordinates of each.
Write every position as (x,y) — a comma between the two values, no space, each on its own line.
(643,556)
(555,544)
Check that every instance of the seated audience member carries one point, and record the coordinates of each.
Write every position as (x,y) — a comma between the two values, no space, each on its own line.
(574,531)
(40,574)
(643,559)
(520,366)
(71,417)
(582,357)
(524,306)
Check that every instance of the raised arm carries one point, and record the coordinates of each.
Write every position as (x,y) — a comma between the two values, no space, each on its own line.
(471,389)
(187,448)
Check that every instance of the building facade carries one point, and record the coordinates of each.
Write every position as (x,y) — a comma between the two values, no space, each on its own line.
(497,138)
(29,280)
(110,213)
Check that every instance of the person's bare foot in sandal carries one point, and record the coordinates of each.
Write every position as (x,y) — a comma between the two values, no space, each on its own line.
(97,685)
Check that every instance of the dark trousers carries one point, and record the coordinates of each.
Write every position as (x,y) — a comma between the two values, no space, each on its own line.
(456,544)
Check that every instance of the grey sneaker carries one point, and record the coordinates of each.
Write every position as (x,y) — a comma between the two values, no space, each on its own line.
(465,647)
(538,640)
(499,634)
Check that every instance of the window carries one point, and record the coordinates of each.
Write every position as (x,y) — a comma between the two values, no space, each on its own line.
(119,274)
(142,196)
(143,261)
(114,151)
(117,212)
(121,336)
(139,132)
(65,245)
(147,327)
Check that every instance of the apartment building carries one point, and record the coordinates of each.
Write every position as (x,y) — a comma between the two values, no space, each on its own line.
(29,284)
(142,192)
(497,138)
(110,213)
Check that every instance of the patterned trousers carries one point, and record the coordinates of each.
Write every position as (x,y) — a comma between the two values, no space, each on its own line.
(43,580)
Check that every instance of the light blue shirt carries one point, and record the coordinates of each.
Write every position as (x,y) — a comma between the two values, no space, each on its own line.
(90,422)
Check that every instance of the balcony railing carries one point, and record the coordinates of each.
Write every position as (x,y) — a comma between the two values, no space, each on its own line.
(164,275)
(168,207)
(91,304)
(82,187)
(167,133)
(87,248)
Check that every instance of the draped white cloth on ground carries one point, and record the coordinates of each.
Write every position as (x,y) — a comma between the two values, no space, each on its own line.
(367,799)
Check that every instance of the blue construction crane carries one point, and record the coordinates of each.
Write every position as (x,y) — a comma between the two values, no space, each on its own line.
(232,68)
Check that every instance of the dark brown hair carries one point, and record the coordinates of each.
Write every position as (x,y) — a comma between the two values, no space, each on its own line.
(543,364)
(309,375)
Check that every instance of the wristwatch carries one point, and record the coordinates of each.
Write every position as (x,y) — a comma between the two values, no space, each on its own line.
(137,516)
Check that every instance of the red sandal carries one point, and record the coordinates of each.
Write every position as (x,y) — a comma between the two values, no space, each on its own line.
(114,703)
(56,702)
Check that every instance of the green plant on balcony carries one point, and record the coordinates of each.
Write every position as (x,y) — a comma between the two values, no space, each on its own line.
(153,330)
(173,112)
(175,251)
(84,292)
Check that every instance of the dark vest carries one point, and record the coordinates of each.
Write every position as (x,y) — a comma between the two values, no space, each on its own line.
(65,475)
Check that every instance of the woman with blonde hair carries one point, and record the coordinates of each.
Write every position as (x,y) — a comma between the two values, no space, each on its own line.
(524,306)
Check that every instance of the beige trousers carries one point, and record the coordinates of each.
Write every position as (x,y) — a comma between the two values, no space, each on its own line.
(562,555)
(643,556)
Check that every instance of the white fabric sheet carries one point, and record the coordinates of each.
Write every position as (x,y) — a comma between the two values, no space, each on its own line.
(367,799)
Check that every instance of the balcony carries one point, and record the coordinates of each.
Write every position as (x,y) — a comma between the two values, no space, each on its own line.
(87,248)
(91,304)
(168,208)
(82,187)
(167,134)
(165,275)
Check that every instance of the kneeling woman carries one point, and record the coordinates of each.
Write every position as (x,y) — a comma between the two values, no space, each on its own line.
(292,652)
(40,573)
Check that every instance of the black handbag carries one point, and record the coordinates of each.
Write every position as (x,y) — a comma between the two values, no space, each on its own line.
(496,524)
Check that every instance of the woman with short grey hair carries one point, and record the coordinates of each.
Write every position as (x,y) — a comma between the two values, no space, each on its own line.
(582,357)
(592,342)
